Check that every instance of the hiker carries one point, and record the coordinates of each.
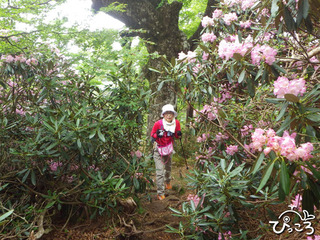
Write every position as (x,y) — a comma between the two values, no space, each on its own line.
(163,133)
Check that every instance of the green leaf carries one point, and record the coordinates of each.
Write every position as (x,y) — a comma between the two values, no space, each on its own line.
(310,131)
(242,76)
(174,210)
(308,201)
(280,69)
(52,145)
(291,98)
(266,176)
(223,164)
(284,178)
(92,134)
(274,100)
(26,175)
(33,178)
(258,163)
(306,8)
(290,23)
(3,186)
(251,87)
(7,214)
(274,8)
(285,125)
(160,85)
(101,136)
(118,183)
(79,143)
(314,117)
(136,183)
(50,204)
(314,171)
(282,111)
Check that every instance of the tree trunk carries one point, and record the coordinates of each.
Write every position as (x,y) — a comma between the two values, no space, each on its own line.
(161,27)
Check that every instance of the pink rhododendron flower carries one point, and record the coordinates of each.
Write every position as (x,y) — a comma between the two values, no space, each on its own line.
(138,154)
(54,165)
(229,18)
(280,87)
(283,86)
(296,202)
(245,130)
(207,21)
(208,37)
(190,57)
(245,4)
(227,49)
(195,198)
(205,56)
(227,236)
(94,168)
(263,52)
(203,138)
(265,12)
(217,14)
(9,59)
(316,61)
(284,146)
(220,137)
(258,139)
(245,24)
(314,237)
(232,149)
(269,54)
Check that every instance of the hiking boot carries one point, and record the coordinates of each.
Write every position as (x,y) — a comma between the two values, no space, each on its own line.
(168,186)
(161,197)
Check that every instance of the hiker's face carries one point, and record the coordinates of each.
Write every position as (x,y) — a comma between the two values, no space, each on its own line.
(168,116)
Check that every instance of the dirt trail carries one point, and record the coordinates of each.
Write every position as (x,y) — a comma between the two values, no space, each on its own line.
(151,223)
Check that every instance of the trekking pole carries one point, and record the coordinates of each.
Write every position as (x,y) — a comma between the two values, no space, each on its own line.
(184,155)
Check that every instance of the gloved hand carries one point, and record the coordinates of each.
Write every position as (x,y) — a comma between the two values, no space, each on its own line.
(160,133)
(179,133)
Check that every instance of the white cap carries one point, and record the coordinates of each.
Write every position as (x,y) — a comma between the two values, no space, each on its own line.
(168,108)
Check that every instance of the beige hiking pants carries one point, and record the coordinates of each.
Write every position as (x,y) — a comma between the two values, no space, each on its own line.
(163,170)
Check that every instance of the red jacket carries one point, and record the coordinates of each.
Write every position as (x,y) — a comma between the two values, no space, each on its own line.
(165,140)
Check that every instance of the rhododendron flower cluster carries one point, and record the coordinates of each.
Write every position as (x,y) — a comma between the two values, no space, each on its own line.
(227,235)
(296,202)
(284,146)
(137,153)
(245,130)
(228,48)
(210,112)
(19,58)
(208,37)
(54,165)
(314,237)
(232,149)
(264,52)
(220,137)
(229,18)
(244,4)
(195,198)
(207,21)
(190,57)
(246,24)
(203,138)
(284,86)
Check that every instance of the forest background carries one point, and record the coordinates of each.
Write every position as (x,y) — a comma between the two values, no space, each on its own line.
(74,124)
